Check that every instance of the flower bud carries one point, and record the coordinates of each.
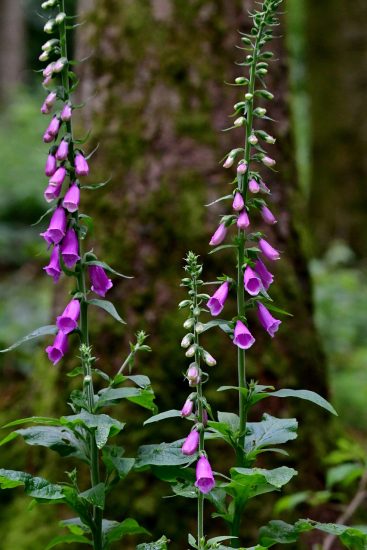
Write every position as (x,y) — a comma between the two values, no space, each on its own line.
(188,407)
(260,111)
(50,99)
(191,351)
(242,168)
(199,328)
(209,359)
(191,443)
(49,27)
(248,96)
(53,269)
(81,165)
(205,418)
(66,113)
(186,340)
(240,80)
(269,162)
(60,17)
(239,105)
(264,188)
(58,177)
(44,56)
(253,139)
(62,150)
(238,202)
(253,186)
(243,221)
(269,252)
(240,121)
(87,379)
(189,323)
(219,235)
(193,375)
(268,216)
(70,248)
(228,162)
(270,139)
(60,64)
(72,198)
(51,165)
(47,71)
(50,44)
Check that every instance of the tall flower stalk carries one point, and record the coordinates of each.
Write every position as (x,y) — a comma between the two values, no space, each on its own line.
(84,434)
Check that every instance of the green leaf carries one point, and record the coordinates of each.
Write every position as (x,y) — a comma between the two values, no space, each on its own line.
(226,197)
(102,425)
(112,396)
(140,380)
(107,306)
(44,215)
(174,474)
(68,539)
(160,544)
(35,487)
(221,323)
(33,420)
(164,454)
(38,333)
(57,438)
(127,527)
(173,413)
(222,247)
(270,431)
(108,268)
(247,483)
(95,495)
(307,395)
(284,533)
(112,458)
(344,474)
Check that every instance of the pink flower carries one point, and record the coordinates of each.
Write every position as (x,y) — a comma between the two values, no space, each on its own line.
(51,165)
(58,348)
(219,235)
(253,186)
(269,162)
(51,192)
(72,198)
(188,407)
(266,277)
(242,336)
(268,322)
(242,168)
(204,475)
(193,375)
(81,165)
(269,252)
(62,150)
(267,215)
(68,321)
(53,269)
(238,202)
(66,113)
(228,162)
(252,281)
(191,443)
(70,248)
(57,227)
(243,221)
(216,302)
(100,282)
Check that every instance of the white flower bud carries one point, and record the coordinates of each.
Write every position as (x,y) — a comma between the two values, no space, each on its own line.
(260,111)
(189,323)
(199,328)
(47,47)
(87,379)
(209,359)
(186,340)
(240,121)
(249,96)
(44,56)
(49,27)
(270,139)
(191,351)
(60,17)
(253,139)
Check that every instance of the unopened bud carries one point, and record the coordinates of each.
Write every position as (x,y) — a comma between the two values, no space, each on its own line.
(228,162)
(60,64)
(269,162)
(209,359)
(189,323)
(43,56)
(196,311)
(87,379)
(193,375)
(242,168)
(49,27)
(199,328)
(191,351)
(249,96)
(240,80)
(47,46)
(260,111)
(240,121)
(186,340)
(262,71)
(253,139)
(239,105)
(270,139)
(60,17)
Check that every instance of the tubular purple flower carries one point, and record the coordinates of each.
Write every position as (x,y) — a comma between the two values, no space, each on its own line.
(51,165)
(268,216)
(242,168)
(243,221)
(51,192)
(53,127)
(191,443)
(100,283)
(62,150)
(47,71)
(66,112)
(68,321)
(251,281)
(253,186)
(205,481)
(72,198)
(264,188)
(47,81)
(193,375)
(51,99)
(59,65)
(47,138)
(219,235)
(238,202)
(217,301)
(188,407)
(242,336)
(58,348)
(70,248)
(58,177)
(56,229)
(81,165)
(45,109)
(266,277)
(269,252)
(53,269)
(269,323)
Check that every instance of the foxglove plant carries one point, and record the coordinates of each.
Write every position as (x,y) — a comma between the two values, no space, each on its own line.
(84,434)
(231,493)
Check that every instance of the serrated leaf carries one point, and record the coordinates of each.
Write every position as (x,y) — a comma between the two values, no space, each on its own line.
(68,539)
(270,431)
(35,487)
(164,454)
(102,425)
(106,267)
(38,333)
(95,495)
(173,413)
(307,395)
(108,307)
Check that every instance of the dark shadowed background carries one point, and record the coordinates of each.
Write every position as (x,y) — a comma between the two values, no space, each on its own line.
(156,104)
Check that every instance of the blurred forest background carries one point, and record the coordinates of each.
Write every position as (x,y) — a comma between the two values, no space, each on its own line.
(157,104)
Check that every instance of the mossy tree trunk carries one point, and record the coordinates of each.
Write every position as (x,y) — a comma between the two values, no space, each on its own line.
(158,106)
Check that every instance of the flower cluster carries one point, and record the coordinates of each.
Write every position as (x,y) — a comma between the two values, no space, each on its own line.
(65,165)
(196,406)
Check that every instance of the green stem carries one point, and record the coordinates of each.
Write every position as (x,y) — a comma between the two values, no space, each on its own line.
(241,303)
(84,330)
(199,396)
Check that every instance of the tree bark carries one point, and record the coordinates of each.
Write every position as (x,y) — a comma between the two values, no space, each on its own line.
(157,106)
(12,46)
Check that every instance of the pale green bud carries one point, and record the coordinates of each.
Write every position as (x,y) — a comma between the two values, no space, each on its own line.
(49,27)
